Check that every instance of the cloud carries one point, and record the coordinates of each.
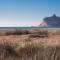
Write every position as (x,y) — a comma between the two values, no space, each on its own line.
(13,24)
(16,24)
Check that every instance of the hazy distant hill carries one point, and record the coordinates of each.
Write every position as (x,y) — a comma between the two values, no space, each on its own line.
(51,21)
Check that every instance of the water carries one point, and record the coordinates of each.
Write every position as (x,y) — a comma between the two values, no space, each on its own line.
(8,28)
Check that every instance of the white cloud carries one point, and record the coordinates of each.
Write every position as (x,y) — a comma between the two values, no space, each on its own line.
(11,23)
(19,22)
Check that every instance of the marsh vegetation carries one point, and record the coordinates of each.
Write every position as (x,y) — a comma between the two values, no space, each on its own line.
(34,44)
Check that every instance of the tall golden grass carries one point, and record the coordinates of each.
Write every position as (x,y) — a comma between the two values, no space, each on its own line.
(30,46)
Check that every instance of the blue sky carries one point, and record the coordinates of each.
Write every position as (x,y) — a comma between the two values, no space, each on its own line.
(15,13)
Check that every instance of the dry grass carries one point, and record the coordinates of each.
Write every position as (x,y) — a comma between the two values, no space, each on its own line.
(30,44)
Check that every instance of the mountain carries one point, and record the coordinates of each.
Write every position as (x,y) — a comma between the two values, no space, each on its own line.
(51,21)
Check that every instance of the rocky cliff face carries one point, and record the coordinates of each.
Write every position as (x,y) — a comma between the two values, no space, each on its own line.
(51,21)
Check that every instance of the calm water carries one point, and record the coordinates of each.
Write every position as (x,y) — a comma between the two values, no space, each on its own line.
(5,28)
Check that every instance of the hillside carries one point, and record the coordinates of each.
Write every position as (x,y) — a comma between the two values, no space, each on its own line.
(51,21)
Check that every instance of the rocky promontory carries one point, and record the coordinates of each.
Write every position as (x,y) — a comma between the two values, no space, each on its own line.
(51,21)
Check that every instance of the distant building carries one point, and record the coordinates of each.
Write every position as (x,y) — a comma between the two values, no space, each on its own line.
(51,21)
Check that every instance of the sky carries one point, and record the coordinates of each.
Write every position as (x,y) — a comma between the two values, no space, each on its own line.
(19,13)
